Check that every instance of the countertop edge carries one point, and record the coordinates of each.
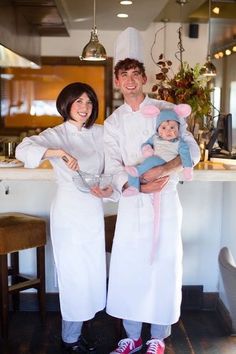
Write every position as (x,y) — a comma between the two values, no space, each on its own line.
(203,172)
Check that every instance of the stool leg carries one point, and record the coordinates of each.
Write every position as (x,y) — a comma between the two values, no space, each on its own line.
(41,276)
(15,272)
(4,295)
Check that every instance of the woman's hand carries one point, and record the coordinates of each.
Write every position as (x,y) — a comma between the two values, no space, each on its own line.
(101,193)
(154,186)
(70,161)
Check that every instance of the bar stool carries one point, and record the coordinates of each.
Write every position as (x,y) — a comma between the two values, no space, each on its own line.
(18,232)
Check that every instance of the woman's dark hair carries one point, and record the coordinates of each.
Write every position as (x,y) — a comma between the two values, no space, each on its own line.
(127,64)
(70,94)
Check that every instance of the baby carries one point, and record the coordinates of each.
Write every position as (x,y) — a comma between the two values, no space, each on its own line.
(162,147)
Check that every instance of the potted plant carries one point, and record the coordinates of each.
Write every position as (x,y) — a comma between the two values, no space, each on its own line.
(188,85)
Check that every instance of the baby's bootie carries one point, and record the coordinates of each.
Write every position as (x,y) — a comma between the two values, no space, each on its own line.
(130,191)
(132,171)
(188,173)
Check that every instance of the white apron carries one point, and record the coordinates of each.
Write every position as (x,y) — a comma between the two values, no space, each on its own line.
(76,219)
(138,289)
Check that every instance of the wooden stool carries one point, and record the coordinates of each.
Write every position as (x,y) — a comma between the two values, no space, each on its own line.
(18,232)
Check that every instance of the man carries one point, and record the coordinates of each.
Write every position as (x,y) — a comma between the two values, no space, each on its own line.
(140,290)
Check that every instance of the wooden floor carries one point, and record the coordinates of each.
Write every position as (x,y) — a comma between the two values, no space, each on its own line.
(197,332)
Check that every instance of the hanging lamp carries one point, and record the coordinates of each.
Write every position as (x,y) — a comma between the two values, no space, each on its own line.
(94,50)
(209,67)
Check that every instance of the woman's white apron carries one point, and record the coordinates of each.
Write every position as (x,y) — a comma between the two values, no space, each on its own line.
(77,233)
(76,218)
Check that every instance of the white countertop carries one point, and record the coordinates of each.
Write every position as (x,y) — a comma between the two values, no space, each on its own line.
(204,171)
(42,173)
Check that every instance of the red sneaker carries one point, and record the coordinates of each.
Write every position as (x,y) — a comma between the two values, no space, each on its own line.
(155,346)
(128,346)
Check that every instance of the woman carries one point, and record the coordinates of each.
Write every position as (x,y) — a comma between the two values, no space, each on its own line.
(76,218)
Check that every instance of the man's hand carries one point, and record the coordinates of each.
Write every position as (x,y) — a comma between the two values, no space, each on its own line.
(166,169)
(101,193)
(154,186)
(153,174)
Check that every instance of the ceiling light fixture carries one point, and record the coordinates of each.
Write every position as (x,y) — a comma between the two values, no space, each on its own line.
(94,50)
(126,2)
(209,67)
(182,2)
(216,10)
(122,15)
(227,49)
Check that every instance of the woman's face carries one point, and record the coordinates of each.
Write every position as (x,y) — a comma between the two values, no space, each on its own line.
(81,110)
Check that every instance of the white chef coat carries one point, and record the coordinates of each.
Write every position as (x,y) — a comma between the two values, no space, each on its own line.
(76,218)
(138,289)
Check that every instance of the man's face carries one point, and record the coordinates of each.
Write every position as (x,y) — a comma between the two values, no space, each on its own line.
(130,82)
(168,130)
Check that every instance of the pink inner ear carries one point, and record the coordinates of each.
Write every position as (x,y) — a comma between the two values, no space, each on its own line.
(150,111)
(183,110)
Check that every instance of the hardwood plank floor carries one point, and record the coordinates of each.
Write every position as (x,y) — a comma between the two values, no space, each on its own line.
(197,332)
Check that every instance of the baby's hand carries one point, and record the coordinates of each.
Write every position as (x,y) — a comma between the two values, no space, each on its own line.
(147,151)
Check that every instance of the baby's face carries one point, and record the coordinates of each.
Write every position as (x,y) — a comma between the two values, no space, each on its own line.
(168,130)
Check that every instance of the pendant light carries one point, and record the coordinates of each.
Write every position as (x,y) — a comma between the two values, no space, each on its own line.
(94,50)
(209,67)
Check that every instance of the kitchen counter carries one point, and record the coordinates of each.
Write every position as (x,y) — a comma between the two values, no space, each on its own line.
(43,173)
(208,209)
(204,171)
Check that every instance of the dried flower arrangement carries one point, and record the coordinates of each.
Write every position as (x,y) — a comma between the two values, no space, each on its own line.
(188,85)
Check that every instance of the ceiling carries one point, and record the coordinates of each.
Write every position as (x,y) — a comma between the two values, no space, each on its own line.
(58,17)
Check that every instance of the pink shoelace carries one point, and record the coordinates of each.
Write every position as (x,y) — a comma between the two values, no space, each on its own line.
(154,344)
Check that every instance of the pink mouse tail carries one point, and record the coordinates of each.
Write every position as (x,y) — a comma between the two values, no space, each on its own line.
(156,206)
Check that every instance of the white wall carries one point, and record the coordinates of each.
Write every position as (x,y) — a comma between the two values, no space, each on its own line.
(202,206)
(201,232)
(228,238)
(195,49)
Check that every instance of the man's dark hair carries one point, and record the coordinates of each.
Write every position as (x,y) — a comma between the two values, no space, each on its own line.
(128,64)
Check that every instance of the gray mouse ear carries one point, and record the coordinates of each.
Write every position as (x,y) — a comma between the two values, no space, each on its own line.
(183,110)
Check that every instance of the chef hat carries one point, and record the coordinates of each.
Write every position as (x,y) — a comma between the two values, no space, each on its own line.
(129,44)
